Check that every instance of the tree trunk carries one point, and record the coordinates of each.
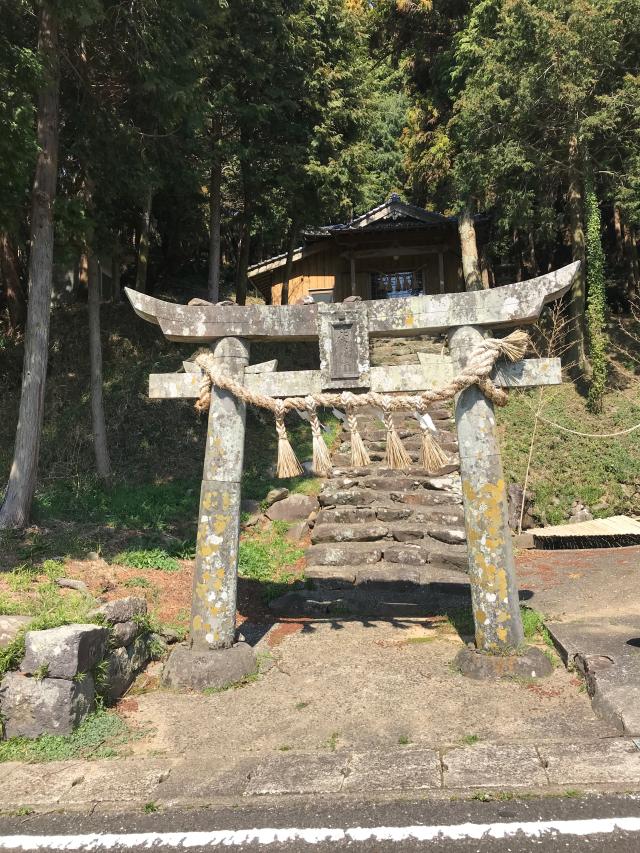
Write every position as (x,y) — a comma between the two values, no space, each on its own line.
(116,270)
(469,246)
(288,267)
(22,478)
(16,302)
(215,215)
(576,353)
(617,227)
(103,467)
(143,243)
(243,263)
(631,260)
(488,277)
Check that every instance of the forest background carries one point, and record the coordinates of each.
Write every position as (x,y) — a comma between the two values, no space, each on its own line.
(185,139)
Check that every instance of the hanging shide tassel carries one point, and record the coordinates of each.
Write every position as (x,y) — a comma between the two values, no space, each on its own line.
(321,458)
(432,456)
(359,456)
(396,456)
(288,465)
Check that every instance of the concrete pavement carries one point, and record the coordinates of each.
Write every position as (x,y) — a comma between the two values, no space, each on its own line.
(192,781)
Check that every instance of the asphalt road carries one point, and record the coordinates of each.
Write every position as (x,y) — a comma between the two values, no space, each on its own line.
(549,824)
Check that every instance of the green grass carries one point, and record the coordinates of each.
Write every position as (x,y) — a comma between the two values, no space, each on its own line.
(101,735)
(150,558)
(470,740)
(404,740)
(602,473)
(267,557)
(146,506)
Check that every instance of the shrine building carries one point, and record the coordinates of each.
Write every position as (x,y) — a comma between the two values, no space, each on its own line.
(395,249)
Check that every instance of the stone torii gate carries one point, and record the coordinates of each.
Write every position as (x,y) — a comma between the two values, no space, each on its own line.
(343,331)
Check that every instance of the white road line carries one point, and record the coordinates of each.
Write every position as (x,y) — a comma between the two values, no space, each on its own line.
(241,837)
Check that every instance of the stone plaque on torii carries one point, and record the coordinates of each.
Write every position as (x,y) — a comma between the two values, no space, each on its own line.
(343,331)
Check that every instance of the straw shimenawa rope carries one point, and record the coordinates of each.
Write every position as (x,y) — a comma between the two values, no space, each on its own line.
(476,372)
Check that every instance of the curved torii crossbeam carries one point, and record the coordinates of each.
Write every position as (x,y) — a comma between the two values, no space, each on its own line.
(343,331)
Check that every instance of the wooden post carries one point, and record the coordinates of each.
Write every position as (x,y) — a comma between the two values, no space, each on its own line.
(441,271)
(354,282)
(215,580)
(494,591)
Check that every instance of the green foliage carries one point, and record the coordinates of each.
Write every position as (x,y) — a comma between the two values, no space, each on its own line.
(101,735)
(565,468)
(596,301)
(152,558)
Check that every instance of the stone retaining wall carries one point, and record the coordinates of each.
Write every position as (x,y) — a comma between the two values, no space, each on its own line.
(65,669)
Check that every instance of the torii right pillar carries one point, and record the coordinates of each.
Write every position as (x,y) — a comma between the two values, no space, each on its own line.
(494,590)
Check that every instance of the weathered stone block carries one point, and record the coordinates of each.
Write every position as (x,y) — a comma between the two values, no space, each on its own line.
(122,610)
(531,663)
(407,534)
(390,513)
(350,497)
(346,515)
(124,633)
(63,652)
(32,707)
(343,555)
(348,532)
(10,628)
(293,508)
(413,555)
(123,666)
(450,535)
(191,670)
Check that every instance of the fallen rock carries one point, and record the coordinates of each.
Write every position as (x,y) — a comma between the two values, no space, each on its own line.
(122,609)
(249,506)
(64,652)
(297,531)
(53,706)
(292,508)
(10,628)
(275,495)
(515,497)
(72,583)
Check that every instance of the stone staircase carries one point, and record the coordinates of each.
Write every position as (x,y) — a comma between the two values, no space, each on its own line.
(379,526)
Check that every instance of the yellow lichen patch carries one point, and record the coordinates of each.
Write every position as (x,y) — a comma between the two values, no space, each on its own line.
(502,634)
(408,320)
(220,524)
(197,622)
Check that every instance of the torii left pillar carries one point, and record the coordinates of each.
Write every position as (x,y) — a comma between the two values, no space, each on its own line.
(214,658)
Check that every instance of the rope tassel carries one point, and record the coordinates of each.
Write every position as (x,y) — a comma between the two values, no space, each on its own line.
(396,456)
(321,458)
(432,456)
(359,456)
(288,465)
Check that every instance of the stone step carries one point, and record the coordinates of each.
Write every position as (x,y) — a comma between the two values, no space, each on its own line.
(358,497)
(391,480)
(398,530)
(440,516)
(356,553)
(376,470)
(343,577)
